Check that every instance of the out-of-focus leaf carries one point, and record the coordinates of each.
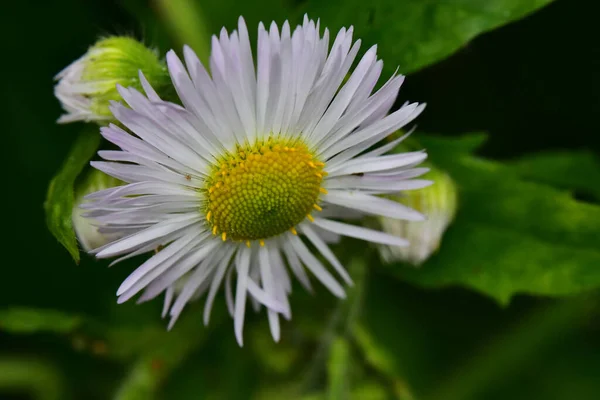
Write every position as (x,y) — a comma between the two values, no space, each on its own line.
(572,170)
(59,199)
(35,378)
(28,320)
(510,235)
(413,34)
(337,367)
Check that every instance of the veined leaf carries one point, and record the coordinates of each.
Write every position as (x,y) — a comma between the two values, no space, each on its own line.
(571,170)
(412,34)
(510,235)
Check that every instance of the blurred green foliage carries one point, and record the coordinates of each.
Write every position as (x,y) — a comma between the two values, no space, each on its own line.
(528,225)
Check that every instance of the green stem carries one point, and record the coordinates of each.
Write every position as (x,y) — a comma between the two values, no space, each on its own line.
(337,368)
(338,330)
(185,21)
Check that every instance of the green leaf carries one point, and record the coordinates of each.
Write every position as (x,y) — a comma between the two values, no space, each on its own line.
(572,170)
(59,199)
(510,235)
(29,320)
(412,34)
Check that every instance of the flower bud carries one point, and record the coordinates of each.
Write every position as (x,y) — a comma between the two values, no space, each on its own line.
(438,203)
(87,86)
(86,229)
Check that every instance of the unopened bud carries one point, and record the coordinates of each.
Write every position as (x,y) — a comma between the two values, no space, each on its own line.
(87,86)
(86,229)
(438,203)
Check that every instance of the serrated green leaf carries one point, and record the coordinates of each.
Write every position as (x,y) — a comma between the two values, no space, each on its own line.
(59,199)
(412,34)
(29,320)
(510,235)
(571,170)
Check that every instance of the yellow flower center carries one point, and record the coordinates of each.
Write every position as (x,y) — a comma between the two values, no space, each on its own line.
(263,190)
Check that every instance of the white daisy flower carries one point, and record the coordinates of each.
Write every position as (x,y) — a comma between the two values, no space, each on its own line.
(251,170)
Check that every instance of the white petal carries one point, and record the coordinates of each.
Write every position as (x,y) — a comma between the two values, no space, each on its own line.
(345,95)
(167,303)
(326,252)
(296,266)
(378,184)
(372,205)
(242,266)
(151,234)
(264,298)
(269,285)
(380,163)
(377,130)
(316,267)
(157,260)
(215,284)
(359,232)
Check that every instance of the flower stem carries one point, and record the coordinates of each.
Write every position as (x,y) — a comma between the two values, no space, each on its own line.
(185,21)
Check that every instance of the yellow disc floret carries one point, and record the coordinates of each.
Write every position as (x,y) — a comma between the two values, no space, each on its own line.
(263,190)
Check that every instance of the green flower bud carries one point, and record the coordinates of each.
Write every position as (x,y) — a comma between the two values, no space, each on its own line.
(438,203)
(87,86)
(85,228)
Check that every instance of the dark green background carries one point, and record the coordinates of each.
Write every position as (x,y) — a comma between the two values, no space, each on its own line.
(532,85)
